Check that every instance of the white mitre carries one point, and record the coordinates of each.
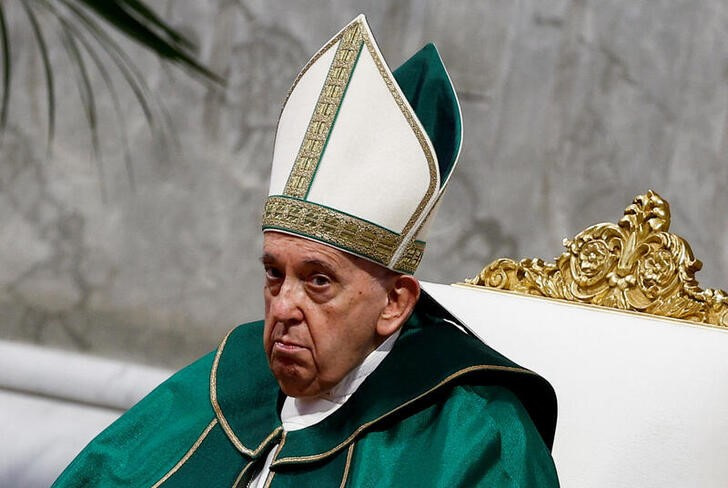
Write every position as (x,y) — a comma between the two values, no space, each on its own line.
(362,155)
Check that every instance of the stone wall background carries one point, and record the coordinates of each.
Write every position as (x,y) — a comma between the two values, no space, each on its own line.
(571,108)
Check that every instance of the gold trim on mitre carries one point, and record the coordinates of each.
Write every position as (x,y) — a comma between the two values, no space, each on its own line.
(346,232)
(634,265)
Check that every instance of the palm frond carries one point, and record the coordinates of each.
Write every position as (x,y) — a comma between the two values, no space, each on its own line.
(50,87)
(126,67)
(5,46)
(133,77)
(87,99)
(118,111)
(108,82)
(86,32)
(139,22)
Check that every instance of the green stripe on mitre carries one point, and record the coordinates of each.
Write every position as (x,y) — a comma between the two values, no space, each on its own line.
(429,91)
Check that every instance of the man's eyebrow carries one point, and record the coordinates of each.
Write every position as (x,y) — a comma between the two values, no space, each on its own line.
(267,258)
(320,264)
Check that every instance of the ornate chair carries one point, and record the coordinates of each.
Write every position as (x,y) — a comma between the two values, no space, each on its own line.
(634,348)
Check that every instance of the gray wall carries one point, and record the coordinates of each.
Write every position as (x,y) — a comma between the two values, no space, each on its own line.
(571,109)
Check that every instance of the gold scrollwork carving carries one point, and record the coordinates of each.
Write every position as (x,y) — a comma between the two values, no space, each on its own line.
(634,265)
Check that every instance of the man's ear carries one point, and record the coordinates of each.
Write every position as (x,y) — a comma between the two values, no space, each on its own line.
(401,300)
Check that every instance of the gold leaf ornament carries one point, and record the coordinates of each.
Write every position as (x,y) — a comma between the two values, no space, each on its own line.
(636,264)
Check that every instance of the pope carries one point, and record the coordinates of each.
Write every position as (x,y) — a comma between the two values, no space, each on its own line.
(355,377)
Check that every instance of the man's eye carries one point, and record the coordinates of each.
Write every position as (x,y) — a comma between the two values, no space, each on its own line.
(272,273)
(320,280)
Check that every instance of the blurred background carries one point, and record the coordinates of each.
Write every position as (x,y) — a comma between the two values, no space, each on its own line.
(133,172)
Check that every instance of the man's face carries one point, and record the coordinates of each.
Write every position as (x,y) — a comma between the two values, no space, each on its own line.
(321,311)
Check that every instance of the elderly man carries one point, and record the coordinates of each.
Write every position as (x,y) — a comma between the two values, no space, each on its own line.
(362,380)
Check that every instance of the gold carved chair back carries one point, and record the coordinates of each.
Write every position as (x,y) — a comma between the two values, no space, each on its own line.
(634,265)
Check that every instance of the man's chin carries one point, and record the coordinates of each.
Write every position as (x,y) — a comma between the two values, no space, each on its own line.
(291,377)
(296,390)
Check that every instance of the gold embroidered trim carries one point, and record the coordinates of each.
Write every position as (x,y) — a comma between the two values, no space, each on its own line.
(411,257)
(634,265)
(341,230)
(188,454)
(362,427)
(349,455)
(327,106)
(221,417)
(422,138)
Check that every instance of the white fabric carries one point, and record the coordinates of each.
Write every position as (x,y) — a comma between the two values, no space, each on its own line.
(52,403)
(75,377)
(373,166)
(299,413)
(641,399)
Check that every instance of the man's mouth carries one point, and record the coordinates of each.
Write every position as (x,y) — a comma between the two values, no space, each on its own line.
(287,347)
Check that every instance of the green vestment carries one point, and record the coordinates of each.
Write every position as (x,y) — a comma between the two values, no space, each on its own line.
(441,410)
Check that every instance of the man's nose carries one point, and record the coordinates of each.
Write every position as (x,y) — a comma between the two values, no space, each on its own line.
(285,306)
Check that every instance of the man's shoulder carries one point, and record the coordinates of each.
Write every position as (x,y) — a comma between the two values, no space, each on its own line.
(485,431)
(496,406)
(493,409)
(437,346)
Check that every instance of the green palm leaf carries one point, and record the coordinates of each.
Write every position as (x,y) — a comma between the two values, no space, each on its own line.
(5,46)
(85,27)
(140,23)
(50,87)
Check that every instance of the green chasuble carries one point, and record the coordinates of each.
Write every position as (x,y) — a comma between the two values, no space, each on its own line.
(441,410)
